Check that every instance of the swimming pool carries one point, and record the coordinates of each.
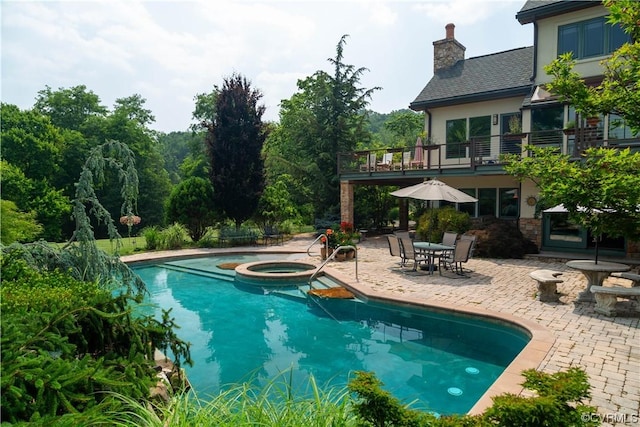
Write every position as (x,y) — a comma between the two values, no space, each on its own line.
(442,362)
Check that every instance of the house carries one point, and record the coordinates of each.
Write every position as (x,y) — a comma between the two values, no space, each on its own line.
(478,108)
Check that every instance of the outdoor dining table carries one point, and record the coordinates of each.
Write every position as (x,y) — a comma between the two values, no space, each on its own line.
(430,249)
(595,274)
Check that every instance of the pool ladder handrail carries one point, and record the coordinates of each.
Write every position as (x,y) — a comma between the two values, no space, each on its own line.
(332,256)
(326,244)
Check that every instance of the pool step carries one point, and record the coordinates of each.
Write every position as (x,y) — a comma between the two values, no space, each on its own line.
(200,272)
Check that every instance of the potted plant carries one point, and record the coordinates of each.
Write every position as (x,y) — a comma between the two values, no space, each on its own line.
(593,121)
(570,127)
(515,128)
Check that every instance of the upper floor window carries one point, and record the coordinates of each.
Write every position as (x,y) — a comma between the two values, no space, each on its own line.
(594,37)
(456,139)
(480,133)
(546,125)
(618,128)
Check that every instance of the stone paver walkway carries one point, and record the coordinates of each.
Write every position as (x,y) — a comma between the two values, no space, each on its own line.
(607,348)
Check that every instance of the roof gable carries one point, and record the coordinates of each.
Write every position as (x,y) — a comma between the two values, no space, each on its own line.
(493,76)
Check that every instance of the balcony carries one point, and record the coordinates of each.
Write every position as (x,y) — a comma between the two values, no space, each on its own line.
(480,155)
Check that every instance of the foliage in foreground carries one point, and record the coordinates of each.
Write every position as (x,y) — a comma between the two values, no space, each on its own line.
(276,404)
(67,343)
(558,402)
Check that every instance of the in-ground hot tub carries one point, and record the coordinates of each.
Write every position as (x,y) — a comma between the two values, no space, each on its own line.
(275,273)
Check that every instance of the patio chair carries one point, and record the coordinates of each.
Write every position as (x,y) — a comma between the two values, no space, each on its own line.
(409,252)
(448,239)
(473,242)
(385,164)
(395,250)
(370,164)
(455,260)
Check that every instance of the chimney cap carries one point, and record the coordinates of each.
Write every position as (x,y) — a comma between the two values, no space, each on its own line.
(450,27)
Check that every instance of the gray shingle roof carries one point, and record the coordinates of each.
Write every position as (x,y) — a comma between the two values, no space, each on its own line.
(493,76)
(538,9)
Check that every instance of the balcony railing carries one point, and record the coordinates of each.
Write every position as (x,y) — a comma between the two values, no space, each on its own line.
(478,152)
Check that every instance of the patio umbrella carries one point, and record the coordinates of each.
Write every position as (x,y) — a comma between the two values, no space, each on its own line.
(417,156)
(434,190)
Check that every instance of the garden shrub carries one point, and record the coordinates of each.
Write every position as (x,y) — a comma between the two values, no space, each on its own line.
(67,344)
(558,403)
(152,237)
(209,239)
(497,238)
(434,222)
(174,236)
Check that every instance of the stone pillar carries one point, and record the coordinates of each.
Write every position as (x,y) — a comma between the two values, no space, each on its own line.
(346,202)
(531,228)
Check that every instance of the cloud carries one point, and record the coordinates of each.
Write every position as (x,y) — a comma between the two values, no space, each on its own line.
(461,11)
(169,51)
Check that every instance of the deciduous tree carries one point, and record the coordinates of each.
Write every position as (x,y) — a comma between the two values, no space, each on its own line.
(326,116)
(191,203)
(601,191)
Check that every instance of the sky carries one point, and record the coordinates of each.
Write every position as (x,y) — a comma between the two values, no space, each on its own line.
(170,51)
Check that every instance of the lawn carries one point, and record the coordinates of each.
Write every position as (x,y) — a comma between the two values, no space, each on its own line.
(129,245)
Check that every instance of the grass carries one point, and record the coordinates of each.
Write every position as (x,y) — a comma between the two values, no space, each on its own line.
(130,245)
(245,405)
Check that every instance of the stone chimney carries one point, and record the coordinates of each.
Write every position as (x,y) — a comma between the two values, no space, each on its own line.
(448,51)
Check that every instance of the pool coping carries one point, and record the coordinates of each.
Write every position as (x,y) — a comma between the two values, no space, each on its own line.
(510,381)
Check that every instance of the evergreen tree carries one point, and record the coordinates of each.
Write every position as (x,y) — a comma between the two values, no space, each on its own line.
(325,117)
(234,144)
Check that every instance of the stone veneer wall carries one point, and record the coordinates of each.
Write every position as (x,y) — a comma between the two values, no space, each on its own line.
(531,228)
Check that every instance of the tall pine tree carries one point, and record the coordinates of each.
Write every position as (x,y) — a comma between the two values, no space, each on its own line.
(234,145)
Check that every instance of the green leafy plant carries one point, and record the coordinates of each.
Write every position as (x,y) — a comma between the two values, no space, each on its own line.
(66,342)
(558,401)
(434,222)
(174,236)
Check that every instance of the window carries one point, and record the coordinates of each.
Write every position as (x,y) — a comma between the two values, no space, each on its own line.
(546,125)
(456,138)
(486,201)
(469,208)
(594,37)
(480,132)
(618,128)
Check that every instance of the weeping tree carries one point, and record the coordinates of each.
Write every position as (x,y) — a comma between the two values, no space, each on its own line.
(80,256)
(235,136)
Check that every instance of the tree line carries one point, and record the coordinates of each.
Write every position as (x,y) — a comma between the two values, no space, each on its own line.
(247,169)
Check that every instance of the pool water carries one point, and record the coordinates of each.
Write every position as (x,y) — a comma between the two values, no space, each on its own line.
(437,362)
